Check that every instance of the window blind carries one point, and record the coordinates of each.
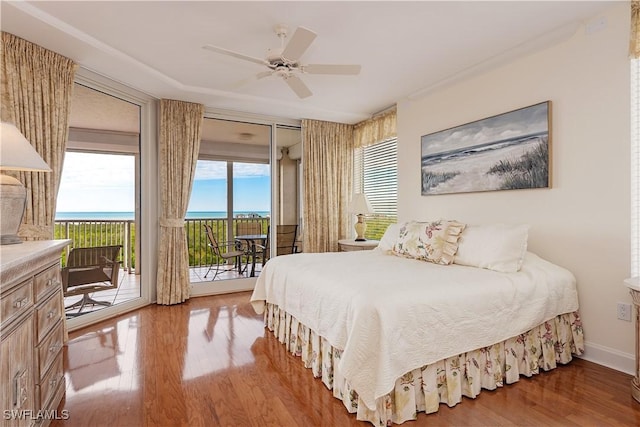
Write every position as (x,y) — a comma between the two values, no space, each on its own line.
(376,175)
(635,167)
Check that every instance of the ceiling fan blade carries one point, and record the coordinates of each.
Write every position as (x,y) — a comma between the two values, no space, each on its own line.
(234,54)
(298,86)
(331,69)
(263,74)
(299,43)
(251,79)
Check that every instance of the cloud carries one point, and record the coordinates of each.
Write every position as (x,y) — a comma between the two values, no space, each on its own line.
(89,171)
(209,169)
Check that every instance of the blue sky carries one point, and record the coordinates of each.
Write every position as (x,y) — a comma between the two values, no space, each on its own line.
(105,183)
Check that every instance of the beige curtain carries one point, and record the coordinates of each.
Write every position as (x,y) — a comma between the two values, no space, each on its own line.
(634,37)
(328,173)
(376,129)
(180,129)
(36,96)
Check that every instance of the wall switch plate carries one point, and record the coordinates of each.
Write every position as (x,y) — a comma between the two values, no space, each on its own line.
(624,311)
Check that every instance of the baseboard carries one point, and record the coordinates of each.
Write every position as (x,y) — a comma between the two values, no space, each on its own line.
(609,357)
(223,287)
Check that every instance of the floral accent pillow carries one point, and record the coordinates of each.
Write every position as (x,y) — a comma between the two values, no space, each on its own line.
(435,241)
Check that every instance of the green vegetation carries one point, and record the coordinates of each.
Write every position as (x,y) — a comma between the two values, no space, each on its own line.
(376,226)
(431,179)
(102,233)
(531,170)
(96,233)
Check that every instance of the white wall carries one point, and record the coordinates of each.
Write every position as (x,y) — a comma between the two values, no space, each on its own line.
(583,222)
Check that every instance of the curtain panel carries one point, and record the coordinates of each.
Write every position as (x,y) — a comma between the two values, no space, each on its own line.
(36,90)
(180,131)
(376,129)
(327,177)
(634,36)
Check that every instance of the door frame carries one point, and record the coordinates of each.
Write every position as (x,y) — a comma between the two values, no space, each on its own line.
(146,215)
(248,283)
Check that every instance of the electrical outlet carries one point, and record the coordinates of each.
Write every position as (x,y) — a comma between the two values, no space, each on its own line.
(624,311)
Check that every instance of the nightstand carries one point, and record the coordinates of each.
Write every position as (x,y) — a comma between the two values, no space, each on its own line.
(348,245)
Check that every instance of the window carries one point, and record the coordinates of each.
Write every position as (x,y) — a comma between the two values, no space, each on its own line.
(635,167)
(376,175)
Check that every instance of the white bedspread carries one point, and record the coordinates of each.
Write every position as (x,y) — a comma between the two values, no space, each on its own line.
(391,314)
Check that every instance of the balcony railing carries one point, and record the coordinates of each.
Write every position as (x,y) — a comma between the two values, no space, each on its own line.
(91,232)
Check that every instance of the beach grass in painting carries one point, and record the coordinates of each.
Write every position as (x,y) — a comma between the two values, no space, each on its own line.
(505,152)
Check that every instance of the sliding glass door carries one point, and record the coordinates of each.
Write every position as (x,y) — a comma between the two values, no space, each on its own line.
(246,183)
(100,198)
(231,198)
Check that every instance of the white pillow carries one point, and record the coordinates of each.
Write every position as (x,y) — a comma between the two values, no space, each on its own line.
(499,247)
(389,238)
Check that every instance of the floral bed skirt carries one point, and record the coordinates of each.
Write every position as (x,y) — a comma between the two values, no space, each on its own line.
(445,381)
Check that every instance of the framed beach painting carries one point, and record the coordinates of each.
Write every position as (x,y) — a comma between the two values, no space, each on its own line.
(509,151)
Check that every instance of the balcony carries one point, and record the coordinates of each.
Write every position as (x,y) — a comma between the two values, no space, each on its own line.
(91,232)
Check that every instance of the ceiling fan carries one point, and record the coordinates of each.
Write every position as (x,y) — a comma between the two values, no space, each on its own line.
(284,61)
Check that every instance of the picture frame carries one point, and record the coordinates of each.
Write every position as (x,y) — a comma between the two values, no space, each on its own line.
(509,151)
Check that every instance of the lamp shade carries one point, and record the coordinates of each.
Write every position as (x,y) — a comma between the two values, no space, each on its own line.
(16,153)
(360,204)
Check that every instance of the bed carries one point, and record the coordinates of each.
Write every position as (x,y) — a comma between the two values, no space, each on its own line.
(394,335)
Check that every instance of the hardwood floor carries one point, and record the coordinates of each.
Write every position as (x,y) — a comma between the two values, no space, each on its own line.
(210,362)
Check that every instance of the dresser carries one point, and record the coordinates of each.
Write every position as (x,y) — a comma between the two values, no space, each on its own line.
(634,288)
(32,333)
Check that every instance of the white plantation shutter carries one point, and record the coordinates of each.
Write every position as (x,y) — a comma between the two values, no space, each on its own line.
(635,167)
(376,175)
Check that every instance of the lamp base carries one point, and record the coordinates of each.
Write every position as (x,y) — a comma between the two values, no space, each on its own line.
(361,229)
(12,203)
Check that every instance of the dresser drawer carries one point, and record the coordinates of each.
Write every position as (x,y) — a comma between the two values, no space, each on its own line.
(47,280)
(50,382)
(48,314)
(16,372)
(16,302)
(49,348)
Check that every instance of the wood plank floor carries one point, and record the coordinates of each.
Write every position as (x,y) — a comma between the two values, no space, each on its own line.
(210,362)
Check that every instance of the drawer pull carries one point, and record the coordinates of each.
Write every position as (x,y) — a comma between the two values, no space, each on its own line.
(21,302)
(54,348)
(51,314)
(53,281)
(53,382)
(20,389)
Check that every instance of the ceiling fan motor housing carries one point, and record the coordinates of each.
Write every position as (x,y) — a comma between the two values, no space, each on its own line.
(276,60)
(282,71)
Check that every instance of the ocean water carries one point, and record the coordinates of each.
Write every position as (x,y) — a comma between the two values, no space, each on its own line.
(129,215)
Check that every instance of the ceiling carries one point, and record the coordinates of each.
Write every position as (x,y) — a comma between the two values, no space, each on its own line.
(406,49)
(94,111)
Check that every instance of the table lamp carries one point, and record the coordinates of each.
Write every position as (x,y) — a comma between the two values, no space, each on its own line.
(16,153)
(360,206)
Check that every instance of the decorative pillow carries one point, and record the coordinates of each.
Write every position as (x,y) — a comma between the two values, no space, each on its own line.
(435,241)
(499,247)
(389,238)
